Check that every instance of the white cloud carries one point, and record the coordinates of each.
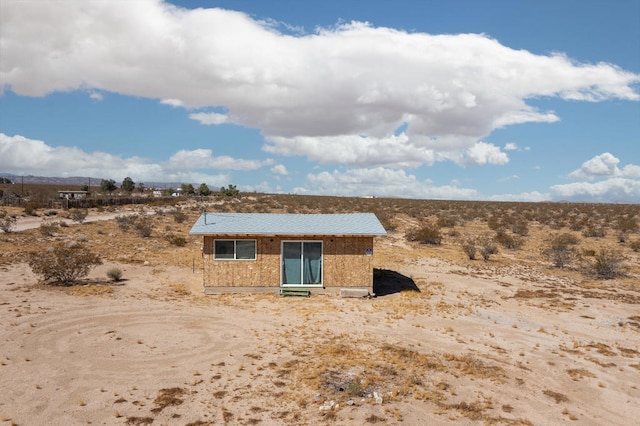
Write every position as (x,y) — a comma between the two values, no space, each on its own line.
(279,169)
(96,96)
(309,94)
(631,171)
(21,155)
(510,146)
(600,165)
(612,190)
(484,153)
(604,165)
(614,184)
(176,103)
(209,118)
(380,182)
(529,197)
(204,159)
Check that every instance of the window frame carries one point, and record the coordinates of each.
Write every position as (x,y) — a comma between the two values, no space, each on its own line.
(235,249)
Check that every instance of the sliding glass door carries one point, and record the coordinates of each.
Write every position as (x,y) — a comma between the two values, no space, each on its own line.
(302,263)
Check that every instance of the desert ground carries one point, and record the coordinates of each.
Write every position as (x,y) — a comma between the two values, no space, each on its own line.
(447,340)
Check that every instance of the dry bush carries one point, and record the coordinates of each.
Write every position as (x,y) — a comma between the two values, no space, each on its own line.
(561,250)
(508,241)
(486,246)
(78,215)
(468,244)
(7,221)
(124,222)
(31,208)
(608,263)
(140,222)
(634,245)
(64,263)
(48,228)
(594,230)
(115,274)
(429,233)
(179,216)
(176,240)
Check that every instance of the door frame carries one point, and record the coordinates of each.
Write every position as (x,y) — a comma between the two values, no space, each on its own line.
(318,285)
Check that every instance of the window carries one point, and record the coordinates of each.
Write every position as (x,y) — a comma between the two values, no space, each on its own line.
(302,263)
(234,249)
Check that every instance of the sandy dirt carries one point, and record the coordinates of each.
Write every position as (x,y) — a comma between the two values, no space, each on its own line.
(480,343)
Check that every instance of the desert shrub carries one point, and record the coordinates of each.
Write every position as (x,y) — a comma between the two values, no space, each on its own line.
(124,222)
(594,230)
(179,216)
(561,250)
(64,263)
(634,245)
(494,223)
(468,244)
(607,264)
(429,233)
(486,246)
(508,241)
(446,221)
(7,221)
(176,240)
(520,227)
(78,215)
(31,208)
(114,274)
(626,224)
(143,226)
(48,228)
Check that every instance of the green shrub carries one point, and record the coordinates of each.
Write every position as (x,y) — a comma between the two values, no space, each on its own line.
(63,263)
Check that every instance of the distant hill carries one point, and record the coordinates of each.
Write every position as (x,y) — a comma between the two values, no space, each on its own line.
(77,181)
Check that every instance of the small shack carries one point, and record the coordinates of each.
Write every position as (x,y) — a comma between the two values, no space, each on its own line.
(73,195)
(263,251)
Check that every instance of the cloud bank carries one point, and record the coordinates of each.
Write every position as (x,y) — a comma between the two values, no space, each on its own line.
(20,155)
(352,94)
(613,184)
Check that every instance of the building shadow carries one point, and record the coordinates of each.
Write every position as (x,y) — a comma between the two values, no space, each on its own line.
(386,281)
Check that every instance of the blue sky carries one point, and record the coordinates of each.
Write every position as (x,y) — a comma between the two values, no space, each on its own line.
(495,100)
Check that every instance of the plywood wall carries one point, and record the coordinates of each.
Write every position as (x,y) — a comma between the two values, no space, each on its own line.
(346,263)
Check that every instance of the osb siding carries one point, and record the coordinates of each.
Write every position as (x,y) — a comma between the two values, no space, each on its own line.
(345,263)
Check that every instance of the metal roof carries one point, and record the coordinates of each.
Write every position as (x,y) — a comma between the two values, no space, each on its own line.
(360,224)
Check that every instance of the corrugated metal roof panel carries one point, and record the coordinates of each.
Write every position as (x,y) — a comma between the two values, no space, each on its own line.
(287,224)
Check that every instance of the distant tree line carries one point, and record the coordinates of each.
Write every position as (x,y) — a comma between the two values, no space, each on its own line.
(128,186)
(5,180)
